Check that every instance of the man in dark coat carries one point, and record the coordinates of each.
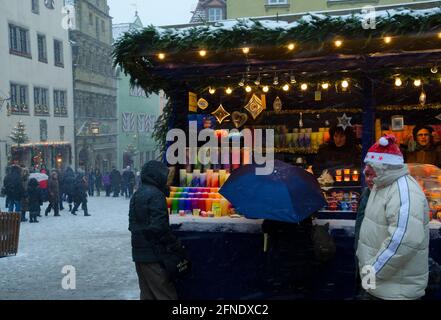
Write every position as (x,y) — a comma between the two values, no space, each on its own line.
(129,182)
(54,194)
(115,180)
(69,182)
(149,225)
(98,182)
(14,189)
(80,195)
(426,151)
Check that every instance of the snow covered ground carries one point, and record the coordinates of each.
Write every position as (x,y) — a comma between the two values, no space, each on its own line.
(97,246)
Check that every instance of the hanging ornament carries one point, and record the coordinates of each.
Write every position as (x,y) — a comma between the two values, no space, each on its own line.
(344,121)
(301,120)
(220,114)
(277,105)
(255,106)
(423,98)
(239,118)
(202,104)
(318,95)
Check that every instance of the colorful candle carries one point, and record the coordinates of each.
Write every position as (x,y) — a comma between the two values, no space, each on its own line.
(175,205)
(189,179)
(222,177)
(355,176)
(182,177)
(215,181)
(224,206)
(208,204)
(209,177)
(203,179)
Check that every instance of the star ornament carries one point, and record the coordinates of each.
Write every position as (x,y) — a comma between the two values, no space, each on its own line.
(344,121)
(221,114)
(255,106)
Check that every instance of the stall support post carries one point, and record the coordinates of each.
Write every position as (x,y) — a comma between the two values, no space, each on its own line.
(368,117)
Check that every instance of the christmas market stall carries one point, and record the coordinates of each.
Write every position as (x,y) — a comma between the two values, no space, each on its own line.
(311,79)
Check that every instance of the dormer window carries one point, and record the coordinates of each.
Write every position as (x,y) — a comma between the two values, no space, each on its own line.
(215,14)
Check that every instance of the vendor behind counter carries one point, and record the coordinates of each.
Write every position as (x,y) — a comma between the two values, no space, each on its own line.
(426,151)
(341,151)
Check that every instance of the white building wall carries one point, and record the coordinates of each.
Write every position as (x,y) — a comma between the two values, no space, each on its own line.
(32,73)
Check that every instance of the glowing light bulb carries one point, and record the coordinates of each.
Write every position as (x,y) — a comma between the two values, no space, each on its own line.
(265,89)
(246,50)
(304,87)
(212,90)
(325,86)
(398,82)
(248,89)
(161,56)
(228,90)
(417,83)
(291,46)
(202,53)
(387,40)
(345,84)
(286,87)
(338,43)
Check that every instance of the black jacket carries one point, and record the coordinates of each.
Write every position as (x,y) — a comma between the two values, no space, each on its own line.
(330,156)
(13,185)
(148,215)
(115,177)
(129,177)
(69,182)
(80,187)
(34,195)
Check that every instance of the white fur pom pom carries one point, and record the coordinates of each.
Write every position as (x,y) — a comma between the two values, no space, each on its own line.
(384,142)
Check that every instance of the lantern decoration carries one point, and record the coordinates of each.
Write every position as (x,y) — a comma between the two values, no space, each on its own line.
(255,106)
(277,105)
(221,114)
(202,104)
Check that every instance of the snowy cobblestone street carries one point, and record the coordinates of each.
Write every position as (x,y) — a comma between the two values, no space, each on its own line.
(97,246)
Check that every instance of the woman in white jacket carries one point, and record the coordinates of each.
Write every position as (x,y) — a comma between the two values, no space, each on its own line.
(393,246)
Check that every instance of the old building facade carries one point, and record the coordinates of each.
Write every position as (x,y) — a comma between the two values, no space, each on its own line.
(95,100)
(35,85)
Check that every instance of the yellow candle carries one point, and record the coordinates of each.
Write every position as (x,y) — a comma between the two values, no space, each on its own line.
(222,177)
(224,207)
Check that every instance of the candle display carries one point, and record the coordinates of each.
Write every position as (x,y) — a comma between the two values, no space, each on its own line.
(355,176)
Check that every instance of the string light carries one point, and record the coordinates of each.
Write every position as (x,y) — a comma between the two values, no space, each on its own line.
(398,82)
(293,79)
(276,80)
(212,90)
(257,82)
(325,86)
(161,56)
(246,50)
(265,89)
(202,53)
(387,40)
(229,90)
(345,84)
(338,43)
(286,87)
(242,82)
(248,89)
(291,46)
(417,83)
(304,87)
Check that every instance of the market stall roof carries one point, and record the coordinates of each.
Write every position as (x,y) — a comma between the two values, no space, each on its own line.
(159,58)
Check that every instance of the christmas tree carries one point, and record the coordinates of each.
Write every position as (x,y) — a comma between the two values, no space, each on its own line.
(18,134)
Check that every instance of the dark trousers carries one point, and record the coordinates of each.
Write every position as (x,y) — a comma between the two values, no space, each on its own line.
(55,206)
(130,187)
(83,206)
(98,190)
(91,191)
(108,190)
(154,282)
(116,191)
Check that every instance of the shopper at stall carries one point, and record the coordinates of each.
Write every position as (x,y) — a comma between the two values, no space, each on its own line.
(149,223)
(14,189)
(54,194)
(35,200)
(341,151)
(426,152)
(80,195)
(394,235)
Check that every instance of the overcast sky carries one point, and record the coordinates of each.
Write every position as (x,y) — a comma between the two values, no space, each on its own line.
(158,13)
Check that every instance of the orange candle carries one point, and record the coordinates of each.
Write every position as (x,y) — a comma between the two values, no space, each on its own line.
(347,178)
(347,171)
(355,176)
(215,181)
(338,178)
(208,204)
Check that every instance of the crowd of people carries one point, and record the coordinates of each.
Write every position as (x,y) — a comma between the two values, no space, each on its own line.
(27,190)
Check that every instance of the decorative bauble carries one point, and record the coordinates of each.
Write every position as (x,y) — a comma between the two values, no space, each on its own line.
(239,118)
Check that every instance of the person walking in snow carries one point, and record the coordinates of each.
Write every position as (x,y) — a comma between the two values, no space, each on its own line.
(80,195)
(35,200)
(54,194)
(393,245)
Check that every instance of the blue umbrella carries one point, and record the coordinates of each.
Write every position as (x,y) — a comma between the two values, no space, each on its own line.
(289,194)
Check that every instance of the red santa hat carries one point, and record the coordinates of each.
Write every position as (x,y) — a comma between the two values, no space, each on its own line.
(385,151)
